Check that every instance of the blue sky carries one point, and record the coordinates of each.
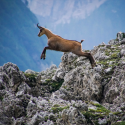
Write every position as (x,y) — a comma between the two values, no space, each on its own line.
(95,21)
(63,11)
(77,19)
(60,16)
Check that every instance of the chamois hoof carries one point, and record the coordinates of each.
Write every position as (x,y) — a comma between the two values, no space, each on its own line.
(93,65)
(42,56)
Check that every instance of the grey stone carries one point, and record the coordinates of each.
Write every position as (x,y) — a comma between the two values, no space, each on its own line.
(122,53)
(53,67)
(72,116)
(108,69)
(102,121)
(29,71)
(81,106)
(113,42)
(123,41)
(32,102)
(59,75)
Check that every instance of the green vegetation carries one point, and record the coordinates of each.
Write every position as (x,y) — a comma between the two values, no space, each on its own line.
(92,115)
(54,120)
(53,84)
(101,45)
(31,77)
(1,98)
(119,123)
(56,108)
(101,109)
(110,62)
(87,50)
(100,112)
(48,80)
(65,87)
(46,118)
(56,85)
(123,35)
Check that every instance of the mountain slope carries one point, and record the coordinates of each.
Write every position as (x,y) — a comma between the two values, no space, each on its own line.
(19,42)
(73,94)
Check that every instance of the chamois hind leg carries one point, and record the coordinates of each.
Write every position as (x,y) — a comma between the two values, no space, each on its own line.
(43,55)
(88,55)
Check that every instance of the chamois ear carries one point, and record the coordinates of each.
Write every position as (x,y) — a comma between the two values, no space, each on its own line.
(39,26)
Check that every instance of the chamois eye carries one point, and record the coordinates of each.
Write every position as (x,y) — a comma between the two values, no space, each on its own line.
(41,30)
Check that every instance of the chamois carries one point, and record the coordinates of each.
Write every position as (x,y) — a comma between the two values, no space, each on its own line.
(57,43)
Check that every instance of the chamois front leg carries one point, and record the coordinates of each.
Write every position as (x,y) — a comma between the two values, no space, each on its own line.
(43,55)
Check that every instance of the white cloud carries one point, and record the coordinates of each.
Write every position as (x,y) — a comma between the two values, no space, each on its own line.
(62,11)
(44,67)
(40,7)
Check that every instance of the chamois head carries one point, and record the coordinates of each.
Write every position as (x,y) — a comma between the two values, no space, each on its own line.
(42,31)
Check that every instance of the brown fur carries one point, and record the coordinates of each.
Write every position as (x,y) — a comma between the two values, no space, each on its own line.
(57,43)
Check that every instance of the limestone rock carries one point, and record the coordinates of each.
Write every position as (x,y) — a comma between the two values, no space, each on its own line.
(72,94)
(71,116)
(113,42)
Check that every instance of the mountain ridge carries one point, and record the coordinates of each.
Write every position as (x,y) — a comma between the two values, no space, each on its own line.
(73,93)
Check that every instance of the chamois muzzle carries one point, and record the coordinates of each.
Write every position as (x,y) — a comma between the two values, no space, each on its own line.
(38,26)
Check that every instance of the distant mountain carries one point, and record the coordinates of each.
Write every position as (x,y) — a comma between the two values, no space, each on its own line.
(19,42)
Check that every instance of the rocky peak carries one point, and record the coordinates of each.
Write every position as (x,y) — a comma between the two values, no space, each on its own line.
(72,94)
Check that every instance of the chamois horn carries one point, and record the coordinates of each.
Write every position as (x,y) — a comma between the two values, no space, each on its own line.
(38,26)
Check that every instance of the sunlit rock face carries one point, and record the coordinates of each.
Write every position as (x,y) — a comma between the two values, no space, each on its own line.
(71,94)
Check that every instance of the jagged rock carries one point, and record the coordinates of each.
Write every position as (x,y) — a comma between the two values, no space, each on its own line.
(115,89)
(59,75)
(53,67)
(23,89)
(120,35)
(71,116)
(47,123)
(98,69)
(11,76)
(77,84)
(122,53)
(113,42)
(100,54)
(81,106)
(108,70)
(123,41)
(102,121)
(73,94)
(36,119)
(29,71)
(108,46)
